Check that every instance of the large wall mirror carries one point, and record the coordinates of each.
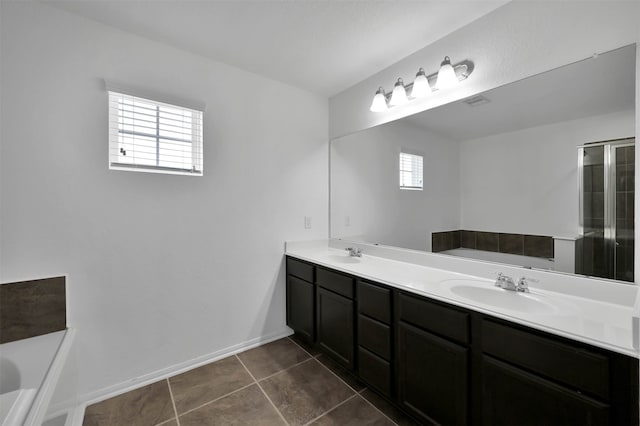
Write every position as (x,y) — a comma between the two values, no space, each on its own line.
(538,173)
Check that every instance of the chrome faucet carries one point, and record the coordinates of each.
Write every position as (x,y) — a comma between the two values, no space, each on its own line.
(354,252)
(505,282)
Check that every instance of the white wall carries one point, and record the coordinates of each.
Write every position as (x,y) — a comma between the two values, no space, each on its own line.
(517,40)
(161,268)
(526,182)
(365,187)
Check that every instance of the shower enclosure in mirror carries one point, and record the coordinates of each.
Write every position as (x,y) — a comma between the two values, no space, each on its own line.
(500,180)
(606,189)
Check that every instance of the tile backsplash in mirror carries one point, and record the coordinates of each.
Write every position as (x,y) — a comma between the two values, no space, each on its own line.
(520,244)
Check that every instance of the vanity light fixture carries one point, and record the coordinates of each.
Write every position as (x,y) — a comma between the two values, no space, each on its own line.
(421,86)
(399,94)
(448,76)
(379,103)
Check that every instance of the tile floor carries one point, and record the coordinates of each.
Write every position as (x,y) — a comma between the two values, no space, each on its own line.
(281,383)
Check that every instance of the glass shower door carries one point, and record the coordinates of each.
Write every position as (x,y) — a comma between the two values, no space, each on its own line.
(623,234)
(606,177)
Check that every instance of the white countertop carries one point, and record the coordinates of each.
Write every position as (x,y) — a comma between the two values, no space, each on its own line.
(569,306)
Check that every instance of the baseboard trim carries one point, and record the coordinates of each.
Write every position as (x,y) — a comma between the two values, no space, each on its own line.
(75,409)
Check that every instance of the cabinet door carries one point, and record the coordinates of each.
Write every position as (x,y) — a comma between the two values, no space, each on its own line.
(335,326)
(301,307)
(432,377)
(512,396)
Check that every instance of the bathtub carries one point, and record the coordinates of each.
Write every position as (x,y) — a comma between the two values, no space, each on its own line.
(29,371)
(510,259)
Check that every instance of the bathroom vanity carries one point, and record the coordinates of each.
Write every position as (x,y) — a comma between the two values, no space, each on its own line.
(451,348)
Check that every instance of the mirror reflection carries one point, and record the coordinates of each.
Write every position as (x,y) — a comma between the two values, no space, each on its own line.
(538,173)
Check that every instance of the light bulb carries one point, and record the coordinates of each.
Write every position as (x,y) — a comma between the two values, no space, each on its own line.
(379,103)
(446,76)
(399,94)
(421,86)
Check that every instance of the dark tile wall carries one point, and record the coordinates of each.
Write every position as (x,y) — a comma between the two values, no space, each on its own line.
(32,308)
(527,245)
(625,190)
(538,246)
(593,258)
(441,241)
(468,239)
(511,243)
(487,241)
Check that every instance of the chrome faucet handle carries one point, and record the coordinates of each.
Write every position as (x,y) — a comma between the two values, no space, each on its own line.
(523,284)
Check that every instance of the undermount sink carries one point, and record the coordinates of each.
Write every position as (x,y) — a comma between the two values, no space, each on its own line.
(486,294)
(344,258)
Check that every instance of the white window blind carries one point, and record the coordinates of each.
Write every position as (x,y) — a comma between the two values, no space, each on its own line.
(151,136)
(410,171)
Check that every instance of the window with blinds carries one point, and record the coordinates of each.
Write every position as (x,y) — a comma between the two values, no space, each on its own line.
(151,136)
(410,171)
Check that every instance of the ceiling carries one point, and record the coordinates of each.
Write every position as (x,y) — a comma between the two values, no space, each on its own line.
(321,46)
(594,86)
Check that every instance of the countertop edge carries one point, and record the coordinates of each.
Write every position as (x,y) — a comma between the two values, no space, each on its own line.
(500,315)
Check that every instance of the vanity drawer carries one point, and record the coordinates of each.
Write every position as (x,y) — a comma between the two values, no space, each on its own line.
(374,370)
(571,365)
(335,281)
(300,269)
(374,301)
(439,319)
(375,336)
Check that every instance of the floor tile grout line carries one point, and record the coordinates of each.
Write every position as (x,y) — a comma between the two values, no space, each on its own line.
(283,370)
(331,409)
(302,347)
(360,392)
(263,392)
(316,358)
(216,399)
(376,408)
(340,378)
(173,401)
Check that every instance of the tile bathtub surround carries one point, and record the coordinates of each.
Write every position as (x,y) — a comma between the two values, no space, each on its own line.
(521,244)
(32,308)
(278,383)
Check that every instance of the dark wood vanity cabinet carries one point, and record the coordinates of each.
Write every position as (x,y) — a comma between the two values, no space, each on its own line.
(375,355)
(433,361)
(335,316)
(511,395)
(301,297)
(533,378)
(444,364)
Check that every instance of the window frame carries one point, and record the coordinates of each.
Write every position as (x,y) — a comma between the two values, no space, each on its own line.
(406,152)
(117,94)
